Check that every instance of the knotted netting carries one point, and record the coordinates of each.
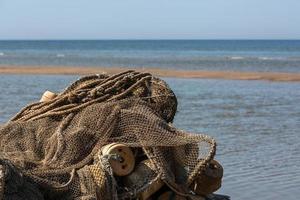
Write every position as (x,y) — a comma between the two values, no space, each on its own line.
(53,147)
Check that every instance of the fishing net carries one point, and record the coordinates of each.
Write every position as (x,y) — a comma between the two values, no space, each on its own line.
(53,148)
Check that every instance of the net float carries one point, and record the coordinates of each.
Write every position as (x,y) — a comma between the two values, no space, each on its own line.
(47,96)
(123,161)
(211,180)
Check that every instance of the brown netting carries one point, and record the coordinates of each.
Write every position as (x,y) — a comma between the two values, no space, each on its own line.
(56,145)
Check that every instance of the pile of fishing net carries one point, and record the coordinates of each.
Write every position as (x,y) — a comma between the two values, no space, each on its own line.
(106,137)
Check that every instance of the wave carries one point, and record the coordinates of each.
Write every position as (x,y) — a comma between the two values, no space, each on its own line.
(60,55)
(236,58)
(153,56)
(274,58)
(265,58)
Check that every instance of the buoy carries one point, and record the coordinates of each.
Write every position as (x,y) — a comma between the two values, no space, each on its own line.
(47,96)
(124,161)
(144,174)
(211,180)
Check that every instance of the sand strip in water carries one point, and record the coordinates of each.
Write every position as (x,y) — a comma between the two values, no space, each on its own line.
(233,75)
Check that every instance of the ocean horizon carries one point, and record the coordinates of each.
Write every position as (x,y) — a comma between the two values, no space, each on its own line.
(222,55)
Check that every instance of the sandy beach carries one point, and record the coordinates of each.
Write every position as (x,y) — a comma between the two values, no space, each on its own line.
(232,75)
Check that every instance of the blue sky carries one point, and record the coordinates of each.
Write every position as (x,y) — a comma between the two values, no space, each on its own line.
(149,19)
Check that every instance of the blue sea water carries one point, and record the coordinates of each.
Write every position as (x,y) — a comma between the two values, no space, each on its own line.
(240,55)
(255,123)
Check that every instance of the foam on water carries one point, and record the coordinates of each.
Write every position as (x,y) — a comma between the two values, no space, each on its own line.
(60,55)
(237,58)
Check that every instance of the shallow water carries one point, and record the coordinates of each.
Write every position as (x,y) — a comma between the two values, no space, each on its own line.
(256,125)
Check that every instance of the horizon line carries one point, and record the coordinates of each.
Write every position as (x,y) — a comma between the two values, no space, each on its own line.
(154,39)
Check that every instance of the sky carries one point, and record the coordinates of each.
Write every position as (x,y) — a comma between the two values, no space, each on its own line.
(149,19)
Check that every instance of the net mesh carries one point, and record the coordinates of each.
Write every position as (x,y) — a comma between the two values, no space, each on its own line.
(55,145)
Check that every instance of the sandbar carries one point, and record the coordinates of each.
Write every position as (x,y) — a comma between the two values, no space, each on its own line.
(203,74)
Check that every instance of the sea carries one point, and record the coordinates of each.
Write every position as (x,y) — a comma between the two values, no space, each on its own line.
(233,55)
(256,123)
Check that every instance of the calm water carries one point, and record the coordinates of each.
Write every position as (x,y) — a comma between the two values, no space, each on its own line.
(251,55)
(256,125)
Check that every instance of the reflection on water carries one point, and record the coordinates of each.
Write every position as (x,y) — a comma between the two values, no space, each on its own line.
(256,125)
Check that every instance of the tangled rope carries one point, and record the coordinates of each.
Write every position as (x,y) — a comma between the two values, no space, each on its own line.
(85,92)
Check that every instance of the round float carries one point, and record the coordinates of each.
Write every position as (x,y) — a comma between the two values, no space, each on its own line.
(124,161)
(47,96)
(211,180)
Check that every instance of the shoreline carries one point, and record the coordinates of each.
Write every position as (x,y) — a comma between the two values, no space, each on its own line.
(203,74)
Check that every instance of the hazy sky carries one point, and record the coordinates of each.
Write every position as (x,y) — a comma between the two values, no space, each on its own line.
(149,19)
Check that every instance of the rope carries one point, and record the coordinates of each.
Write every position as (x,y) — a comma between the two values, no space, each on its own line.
(85,92)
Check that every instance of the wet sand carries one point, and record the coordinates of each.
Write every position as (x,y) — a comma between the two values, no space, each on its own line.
(233,75)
